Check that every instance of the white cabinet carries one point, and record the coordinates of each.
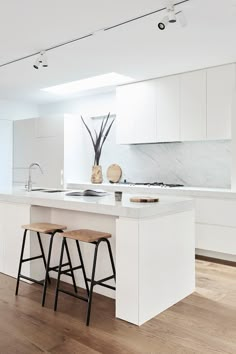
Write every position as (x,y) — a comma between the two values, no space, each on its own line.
(39,140)
(193,106)
(148,112)
(136,113)
(168,109)
(6,143)
(216,225)
(12,216)
(220,85)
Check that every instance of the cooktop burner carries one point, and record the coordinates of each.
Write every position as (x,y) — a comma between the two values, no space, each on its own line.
(158,184)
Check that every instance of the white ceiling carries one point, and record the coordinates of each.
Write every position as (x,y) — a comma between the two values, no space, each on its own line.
(138,49)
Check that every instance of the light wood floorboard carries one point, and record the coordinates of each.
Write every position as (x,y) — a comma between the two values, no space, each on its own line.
(204,322)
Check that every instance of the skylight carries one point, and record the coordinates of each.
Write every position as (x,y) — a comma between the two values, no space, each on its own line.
(106,80)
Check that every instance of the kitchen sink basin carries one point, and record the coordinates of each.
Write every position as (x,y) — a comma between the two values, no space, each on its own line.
(53,190)
(37,189)
(43,190)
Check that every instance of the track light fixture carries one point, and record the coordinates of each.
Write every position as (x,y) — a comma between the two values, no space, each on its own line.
(41,60)
(172,17)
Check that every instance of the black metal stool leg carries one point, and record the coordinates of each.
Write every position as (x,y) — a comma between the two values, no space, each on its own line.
(82,266)
(59,273)
(47,268)
(92,283)
(43,255)
(20,264)
(70,264)
(111,257)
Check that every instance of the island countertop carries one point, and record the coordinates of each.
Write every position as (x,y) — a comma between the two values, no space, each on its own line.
(102,205)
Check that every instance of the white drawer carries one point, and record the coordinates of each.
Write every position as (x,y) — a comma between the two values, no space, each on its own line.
(216,238)
(216,212)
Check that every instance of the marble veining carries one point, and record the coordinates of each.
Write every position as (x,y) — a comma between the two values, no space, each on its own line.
(199,164)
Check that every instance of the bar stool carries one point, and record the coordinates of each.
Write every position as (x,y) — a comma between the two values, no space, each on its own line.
(92,237)
(51,230)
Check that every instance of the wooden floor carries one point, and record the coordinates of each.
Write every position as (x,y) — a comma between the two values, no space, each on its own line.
(205,322)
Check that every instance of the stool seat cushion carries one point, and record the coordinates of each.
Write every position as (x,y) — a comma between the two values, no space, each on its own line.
(85,235)
(44,228)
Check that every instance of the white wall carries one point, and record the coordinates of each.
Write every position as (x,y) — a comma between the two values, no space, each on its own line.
(14,110)
(88,106)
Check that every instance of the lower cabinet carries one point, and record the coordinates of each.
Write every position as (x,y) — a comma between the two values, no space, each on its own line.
(12,216)
(216,225)
(214,238)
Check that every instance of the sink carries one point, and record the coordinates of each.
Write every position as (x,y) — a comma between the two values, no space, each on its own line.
(53,190)
(47,190)
(37,189)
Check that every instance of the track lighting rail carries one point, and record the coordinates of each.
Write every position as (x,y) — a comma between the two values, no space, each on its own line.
(90,34)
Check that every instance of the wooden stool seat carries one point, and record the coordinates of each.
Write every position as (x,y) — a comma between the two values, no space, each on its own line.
(44,228)
(85,235)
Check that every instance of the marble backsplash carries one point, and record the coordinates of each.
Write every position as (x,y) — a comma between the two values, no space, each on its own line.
(199,164)
(196,164)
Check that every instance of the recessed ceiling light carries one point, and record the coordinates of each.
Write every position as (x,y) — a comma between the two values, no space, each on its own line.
(106,80)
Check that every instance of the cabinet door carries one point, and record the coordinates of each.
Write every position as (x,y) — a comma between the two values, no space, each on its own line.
(220,85)
(6,143)
(136,113)
(193,106)
(168,109)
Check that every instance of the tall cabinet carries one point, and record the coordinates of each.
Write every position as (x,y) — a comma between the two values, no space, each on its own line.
(6,144)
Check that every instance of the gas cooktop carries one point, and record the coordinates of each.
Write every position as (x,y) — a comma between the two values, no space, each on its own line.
(157,184)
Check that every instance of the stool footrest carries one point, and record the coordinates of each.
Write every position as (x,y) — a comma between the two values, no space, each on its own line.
(31,259)
(40,282)
(74,295)
(56,268)
(69,270)
(101,281)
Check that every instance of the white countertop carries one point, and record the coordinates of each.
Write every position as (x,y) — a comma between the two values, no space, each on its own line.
(177,191)
(101,205)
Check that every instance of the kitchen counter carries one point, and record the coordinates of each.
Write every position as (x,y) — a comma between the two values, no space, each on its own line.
(101,205)
(176,191)
(153,245)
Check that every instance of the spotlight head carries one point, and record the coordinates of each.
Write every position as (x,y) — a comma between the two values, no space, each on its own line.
(41,60)
(162,25)
(171,14)
(37,63)
(44,59)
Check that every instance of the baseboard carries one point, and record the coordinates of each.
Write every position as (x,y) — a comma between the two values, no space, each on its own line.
(216,260)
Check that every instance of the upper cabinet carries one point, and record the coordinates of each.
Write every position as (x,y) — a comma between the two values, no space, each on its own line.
(168,109)
(148,112)
(220,85)
(193,106)
(186,107)
(136,113)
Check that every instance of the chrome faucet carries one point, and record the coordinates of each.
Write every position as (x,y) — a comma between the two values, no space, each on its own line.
(28,186)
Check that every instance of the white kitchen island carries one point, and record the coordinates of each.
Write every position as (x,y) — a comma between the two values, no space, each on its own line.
(153,244)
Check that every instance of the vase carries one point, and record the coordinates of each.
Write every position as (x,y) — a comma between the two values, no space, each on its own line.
(96,174)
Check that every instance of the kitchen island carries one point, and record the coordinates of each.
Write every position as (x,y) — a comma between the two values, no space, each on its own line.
(153,244)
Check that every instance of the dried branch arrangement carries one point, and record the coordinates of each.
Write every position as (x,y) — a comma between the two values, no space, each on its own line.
(99,138)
